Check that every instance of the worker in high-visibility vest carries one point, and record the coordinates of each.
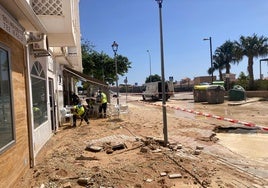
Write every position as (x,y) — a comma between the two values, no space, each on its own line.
(103,104)
(80,111)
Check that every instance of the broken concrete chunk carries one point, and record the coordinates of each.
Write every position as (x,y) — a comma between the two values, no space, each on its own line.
(157,150)
(176,147)
(197,152)
(172,176)
(94,148)
(83,181)
(200,147)
(118,146)
(149,180)
(163,174)
(173,146)
(109,151)
(144,150)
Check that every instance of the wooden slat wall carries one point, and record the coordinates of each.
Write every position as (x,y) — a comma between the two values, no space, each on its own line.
(15,160)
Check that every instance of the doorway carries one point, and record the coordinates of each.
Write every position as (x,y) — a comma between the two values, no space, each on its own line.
(52,105)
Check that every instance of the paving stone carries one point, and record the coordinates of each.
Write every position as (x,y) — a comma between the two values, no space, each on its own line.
(119,146)
(94,148)
(158,150)
(197,152)
(173,176)
(149,180)
(199,147)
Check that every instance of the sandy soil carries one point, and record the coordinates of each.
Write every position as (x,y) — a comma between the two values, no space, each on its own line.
(129,152)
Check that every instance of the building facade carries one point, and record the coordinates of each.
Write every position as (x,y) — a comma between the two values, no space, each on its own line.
(39,41)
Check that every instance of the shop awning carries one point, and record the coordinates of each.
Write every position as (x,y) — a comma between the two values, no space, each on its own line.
(85,77)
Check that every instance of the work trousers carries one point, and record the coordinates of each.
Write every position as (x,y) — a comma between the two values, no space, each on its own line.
(83,117)
(103,107)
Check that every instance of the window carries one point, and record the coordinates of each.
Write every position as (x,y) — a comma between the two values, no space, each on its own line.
(39,96)
(7,136)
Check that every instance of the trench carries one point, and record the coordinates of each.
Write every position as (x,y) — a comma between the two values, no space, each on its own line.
(239,130)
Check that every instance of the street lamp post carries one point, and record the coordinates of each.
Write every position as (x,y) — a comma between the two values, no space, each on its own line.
(115,47)
(150,65)
(163,76)
(126,88)
(211,60)
(261,76)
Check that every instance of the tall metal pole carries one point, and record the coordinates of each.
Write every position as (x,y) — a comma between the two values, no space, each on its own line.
(211,60)
(115,47)
(150,65)
(126,88)
(163,77)
(261,76)
(117,89)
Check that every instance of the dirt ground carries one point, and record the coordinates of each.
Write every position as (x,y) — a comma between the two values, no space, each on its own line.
(128,152)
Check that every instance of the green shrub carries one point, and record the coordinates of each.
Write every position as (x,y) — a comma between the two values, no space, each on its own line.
(261,84)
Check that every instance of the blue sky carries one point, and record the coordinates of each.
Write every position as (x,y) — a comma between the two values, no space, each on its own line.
(134,25)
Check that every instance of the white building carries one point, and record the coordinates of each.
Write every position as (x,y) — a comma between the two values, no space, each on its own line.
(40,61)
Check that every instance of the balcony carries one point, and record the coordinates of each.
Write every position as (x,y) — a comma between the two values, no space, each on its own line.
(61,20)
(57,19)
(24,14)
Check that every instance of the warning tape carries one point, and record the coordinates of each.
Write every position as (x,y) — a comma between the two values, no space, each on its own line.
(248,124)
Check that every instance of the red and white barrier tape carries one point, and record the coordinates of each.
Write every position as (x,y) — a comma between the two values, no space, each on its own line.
(248,124)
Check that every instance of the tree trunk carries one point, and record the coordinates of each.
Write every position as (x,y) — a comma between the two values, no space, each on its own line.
(228,68)
(250,73)
(220,75)
(227,74)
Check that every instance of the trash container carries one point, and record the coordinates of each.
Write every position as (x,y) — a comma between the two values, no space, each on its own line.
(237,93)
(215,94)
(200,93)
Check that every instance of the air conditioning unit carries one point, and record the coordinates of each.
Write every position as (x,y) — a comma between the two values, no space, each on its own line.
(72,51)
(41,45)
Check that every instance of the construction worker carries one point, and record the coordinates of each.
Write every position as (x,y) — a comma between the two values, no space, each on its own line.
(80,111)
(103,104)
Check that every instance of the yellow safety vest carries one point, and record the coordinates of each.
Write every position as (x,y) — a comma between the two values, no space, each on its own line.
(103,98)
(79,110)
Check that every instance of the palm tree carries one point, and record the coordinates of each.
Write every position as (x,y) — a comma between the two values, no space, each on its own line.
(224,56)
(216,66)
(252,46)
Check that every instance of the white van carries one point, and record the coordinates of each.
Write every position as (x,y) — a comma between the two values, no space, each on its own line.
(153,90)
